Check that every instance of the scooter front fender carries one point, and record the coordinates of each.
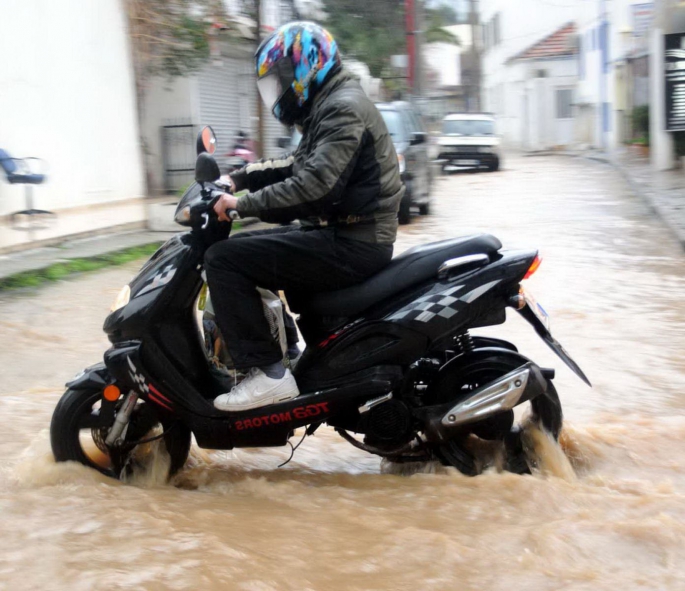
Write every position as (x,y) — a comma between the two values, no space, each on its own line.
(93,377)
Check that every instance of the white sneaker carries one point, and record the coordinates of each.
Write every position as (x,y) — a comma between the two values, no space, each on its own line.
(256,390)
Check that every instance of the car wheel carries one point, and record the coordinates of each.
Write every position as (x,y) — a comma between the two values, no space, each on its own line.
(404,214)
(494,166)
(425,209)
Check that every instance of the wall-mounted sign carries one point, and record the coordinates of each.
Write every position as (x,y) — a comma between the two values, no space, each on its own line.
(643,14)
(674,73)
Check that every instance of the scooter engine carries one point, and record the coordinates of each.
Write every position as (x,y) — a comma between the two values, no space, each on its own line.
(387,425)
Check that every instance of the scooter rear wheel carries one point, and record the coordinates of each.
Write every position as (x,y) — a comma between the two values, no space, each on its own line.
(545,409)
(74,436)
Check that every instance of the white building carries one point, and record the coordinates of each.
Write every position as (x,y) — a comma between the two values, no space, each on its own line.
(67,96)
(529,71)
(611,50)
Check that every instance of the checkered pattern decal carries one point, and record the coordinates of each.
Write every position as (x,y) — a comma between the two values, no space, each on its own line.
(441,305)
(161,278)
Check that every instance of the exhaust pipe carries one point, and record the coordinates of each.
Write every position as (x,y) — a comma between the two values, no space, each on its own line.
(504,394)
(525,383)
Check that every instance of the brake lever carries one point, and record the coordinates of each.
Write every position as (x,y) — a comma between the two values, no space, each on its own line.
(222,185)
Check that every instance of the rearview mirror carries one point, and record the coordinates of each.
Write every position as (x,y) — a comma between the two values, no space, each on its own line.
(206,168)
(206,141)
(283,142)
(418,137)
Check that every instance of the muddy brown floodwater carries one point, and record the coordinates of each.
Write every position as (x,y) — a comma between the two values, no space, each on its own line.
(607,513)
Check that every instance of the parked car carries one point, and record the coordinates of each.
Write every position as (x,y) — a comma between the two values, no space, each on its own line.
(469,140)
(411,144)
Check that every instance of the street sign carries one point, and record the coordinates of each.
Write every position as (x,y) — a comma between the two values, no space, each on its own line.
(674,74)
(643,15)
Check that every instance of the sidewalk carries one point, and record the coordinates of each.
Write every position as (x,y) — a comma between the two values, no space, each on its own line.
(80,248)
(100,218)
(664,191)
(91,247)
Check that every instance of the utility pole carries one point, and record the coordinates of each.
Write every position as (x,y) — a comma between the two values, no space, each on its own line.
(260,106)
(474,89)
(410,28)
(418,45)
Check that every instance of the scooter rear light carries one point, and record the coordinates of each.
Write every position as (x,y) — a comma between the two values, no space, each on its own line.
(535,265)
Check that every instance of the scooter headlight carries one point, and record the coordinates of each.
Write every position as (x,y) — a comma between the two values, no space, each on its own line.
(122,299)
(183,216)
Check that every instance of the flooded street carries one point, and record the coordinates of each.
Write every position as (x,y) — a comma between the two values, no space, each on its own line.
(612,281)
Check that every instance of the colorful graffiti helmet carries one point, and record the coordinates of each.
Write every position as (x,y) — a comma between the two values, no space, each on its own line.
(292,65)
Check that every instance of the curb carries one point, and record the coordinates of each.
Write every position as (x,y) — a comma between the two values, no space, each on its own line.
(60,240)
(66,266)
(654,207)
(638,189)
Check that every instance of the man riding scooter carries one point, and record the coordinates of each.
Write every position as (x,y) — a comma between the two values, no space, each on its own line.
(342,183)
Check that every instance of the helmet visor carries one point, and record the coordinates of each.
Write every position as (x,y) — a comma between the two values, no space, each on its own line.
(270,90)
(275,82)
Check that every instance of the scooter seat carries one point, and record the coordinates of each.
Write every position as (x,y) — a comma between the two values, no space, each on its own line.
(412,267)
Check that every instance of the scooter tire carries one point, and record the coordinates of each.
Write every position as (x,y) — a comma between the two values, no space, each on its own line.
(67,423)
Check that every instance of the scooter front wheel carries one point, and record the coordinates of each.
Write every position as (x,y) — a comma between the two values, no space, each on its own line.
(77,434)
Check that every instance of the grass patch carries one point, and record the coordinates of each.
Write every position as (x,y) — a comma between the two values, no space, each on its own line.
(76,266)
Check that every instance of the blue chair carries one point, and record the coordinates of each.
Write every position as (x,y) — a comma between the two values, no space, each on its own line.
(18,172)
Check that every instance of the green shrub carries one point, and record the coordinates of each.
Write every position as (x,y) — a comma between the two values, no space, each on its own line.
(640,120)
(679,143)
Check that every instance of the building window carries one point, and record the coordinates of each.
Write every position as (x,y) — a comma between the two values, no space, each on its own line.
(581,58)
(564,103)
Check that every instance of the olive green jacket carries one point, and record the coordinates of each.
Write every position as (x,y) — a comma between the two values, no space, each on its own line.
(344,172)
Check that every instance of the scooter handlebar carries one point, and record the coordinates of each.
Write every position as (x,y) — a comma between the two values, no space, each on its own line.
(232,214)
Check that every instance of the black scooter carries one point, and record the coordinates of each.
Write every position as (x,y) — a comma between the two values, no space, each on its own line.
(390,360)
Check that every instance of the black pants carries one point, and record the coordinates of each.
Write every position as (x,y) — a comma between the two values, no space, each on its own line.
(287,258)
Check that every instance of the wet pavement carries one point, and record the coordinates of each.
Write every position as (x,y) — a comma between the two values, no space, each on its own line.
(611,280)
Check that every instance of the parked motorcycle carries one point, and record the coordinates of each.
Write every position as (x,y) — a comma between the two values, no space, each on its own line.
(240,155)
(390,364)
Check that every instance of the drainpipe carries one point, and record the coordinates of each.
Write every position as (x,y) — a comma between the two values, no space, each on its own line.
(604,58)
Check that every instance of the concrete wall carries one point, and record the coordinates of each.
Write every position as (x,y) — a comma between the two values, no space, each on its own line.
(167,102)
(67,95)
